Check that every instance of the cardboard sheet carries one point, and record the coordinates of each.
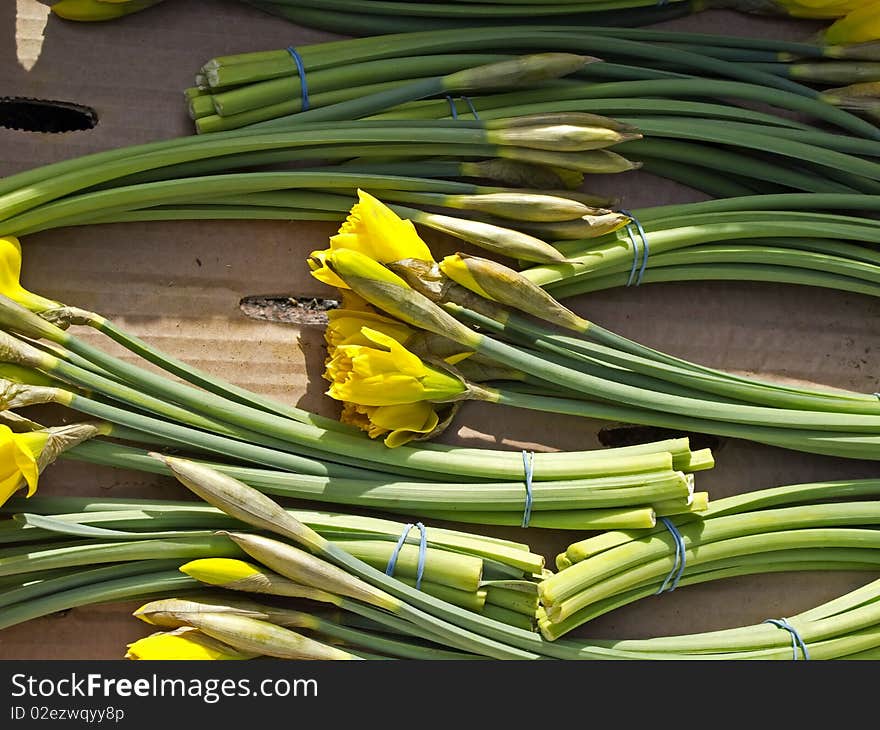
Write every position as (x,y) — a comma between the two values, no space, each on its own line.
(179,285)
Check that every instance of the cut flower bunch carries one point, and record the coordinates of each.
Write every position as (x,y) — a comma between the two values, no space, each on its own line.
(856,19)
(415,337)
(290,452)
(318,590)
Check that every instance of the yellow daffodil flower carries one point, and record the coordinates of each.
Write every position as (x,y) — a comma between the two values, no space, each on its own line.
(182,644)
(19,453)
(344,328)
(10,278)
(374,230)
(385,373)
(398,424)
(861,25)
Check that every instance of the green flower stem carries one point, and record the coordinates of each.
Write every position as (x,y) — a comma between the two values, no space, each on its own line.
(420,497)
(21,560)
(142,587)
(35,587)
(738,389)
(590,519)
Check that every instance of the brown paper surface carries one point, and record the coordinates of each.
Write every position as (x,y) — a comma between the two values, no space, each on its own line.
(179,285)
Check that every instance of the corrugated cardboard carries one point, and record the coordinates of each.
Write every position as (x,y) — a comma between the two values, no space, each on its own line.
(179,286)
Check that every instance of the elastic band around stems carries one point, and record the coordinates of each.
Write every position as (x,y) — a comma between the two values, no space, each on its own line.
(529,469)
(301,70)
(636,273)
(467,100)
(452,107)
(671,582)
(796,641)
(423,550)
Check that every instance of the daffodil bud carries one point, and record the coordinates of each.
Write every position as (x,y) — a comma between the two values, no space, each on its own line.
(560,137)
(263,638)
(239,575)
(504,241)
(98,10)
(305,568)
(869,51)
(594,162)
(184,644)
(863,97)
(499,283)
(829,72)
(522,71)
(522,174)
(588,226)
(389,293)
(520,206)
(240,501)
(578,119)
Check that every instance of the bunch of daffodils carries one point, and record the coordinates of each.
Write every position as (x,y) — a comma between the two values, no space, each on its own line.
(468,307)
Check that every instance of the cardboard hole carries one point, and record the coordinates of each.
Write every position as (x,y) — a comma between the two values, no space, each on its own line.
(615,436)
(41,115)
(311,311)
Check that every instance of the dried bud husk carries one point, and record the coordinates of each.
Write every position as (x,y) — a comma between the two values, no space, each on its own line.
(20,395)
(588,226)
(504,241)
(240,501)
(507,286)
(560,137)
(18,423)
(392,295)
(62,438)
(261,637)
(517,72)
(864,97)
(305,568)
(521,206)
(239,575)
(63,317)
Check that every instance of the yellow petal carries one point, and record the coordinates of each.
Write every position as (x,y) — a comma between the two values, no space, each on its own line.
(859,26)
(219,571)
(373,229)
(18,460)
(403,359)
(317,262)
(182,644)
(10,278)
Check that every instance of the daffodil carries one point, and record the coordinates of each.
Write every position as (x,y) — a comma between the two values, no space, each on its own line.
(10,278)
(182,644)
(385,373)
(861,25)
(374,230)
(344,327)
(19,454)
(397,425)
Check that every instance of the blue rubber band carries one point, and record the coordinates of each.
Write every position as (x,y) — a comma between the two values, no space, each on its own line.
(637,272)
(452,107)
(671,582)
(423,551)
(529,469)
(301,70)
(796,641)
(467,100)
